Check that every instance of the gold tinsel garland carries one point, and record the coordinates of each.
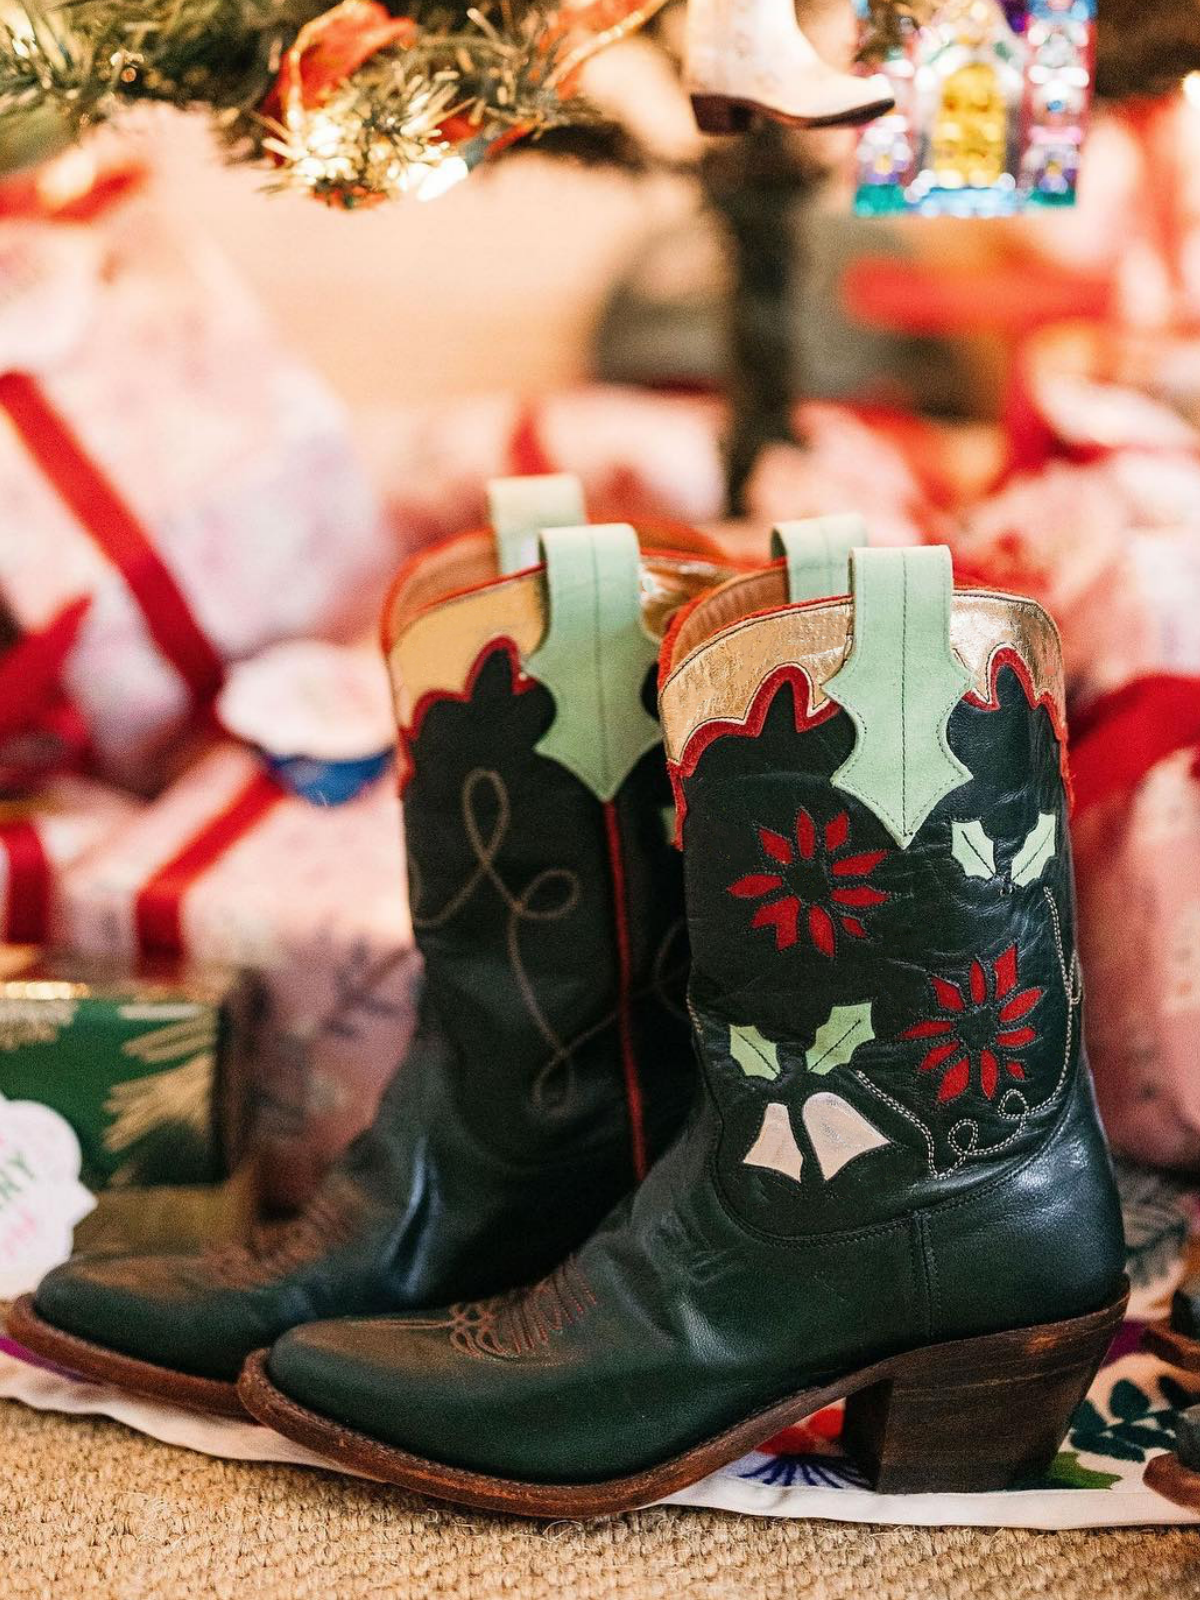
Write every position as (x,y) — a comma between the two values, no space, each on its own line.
(355,103)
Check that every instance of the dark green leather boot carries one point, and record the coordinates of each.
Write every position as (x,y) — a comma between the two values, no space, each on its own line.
(552,1060)
(895,1189)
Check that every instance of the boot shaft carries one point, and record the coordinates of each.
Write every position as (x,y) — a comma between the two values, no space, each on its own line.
(874,819)
(545,896)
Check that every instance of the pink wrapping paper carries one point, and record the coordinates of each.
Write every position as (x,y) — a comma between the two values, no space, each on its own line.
(1111,548)
(1138,870)
(638,454)
(236,461)
(1144,618)
(314,898)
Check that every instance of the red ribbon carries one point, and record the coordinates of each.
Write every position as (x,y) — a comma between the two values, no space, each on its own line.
(27,911)
(158,910)
(31,670)
(112,525)
(1123,735)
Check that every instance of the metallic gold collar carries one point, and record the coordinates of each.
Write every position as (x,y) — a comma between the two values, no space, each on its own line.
(731,643)
(448,606)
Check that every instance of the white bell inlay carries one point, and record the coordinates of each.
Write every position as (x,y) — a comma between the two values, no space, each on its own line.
(776,1145)
(838,1132)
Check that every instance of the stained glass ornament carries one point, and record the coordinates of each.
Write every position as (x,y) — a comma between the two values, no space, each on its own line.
(992,100)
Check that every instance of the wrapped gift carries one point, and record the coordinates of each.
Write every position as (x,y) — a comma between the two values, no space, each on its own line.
(43,837)
(148,1068)
(639,455)
(227,866)
(1084,391)
(1136,836)
(845,464)
(164,457)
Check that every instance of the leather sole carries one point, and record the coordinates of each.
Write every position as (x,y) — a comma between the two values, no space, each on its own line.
(1168,1476)
(1180,1349)
(966,1417)
(96,1361)
(722,114)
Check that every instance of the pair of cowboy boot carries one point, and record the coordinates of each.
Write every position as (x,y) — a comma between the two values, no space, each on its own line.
(892,1187)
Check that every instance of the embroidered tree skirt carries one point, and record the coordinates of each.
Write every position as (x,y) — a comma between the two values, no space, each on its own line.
(1095,1482)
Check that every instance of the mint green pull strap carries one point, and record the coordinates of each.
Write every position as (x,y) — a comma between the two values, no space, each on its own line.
(900,685)
(595,655)
(521,507)
(818,554)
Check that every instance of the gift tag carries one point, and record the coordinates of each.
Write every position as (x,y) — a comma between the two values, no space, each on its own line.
(48,279)
(41,1197)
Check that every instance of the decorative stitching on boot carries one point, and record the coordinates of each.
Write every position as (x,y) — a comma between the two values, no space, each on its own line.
(522,1321)
(273,1250)
(1012,1105)
(522,908)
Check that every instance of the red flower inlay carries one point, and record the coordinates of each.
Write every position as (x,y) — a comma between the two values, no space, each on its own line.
(978,1027)
(814,878)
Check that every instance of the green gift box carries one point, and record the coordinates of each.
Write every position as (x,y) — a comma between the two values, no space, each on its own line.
(148,1067)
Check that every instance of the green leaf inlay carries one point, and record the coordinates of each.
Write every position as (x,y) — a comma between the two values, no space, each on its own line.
(839,1036)
(900,686)
(757,1057)
(1037,852)
(595,655)
(972,849)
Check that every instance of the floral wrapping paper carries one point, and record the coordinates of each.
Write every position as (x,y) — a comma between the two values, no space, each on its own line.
(1110,548)
(235,461)
(311,897)
(1095,1481)
(1138,871)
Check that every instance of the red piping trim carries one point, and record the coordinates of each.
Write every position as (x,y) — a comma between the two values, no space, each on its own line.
(521,684)
(1007,656)
(629,1066)
(750,728)
(405,573)
(667,649)
(692,545)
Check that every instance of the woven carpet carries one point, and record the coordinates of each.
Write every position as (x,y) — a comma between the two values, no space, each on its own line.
(89,1511)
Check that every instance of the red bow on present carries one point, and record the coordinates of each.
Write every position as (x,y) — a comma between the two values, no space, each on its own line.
(40,730)
(1122,736)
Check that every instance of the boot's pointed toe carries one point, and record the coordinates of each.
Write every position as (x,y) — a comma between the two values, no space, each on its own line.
(136,1305)
(376,1376)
